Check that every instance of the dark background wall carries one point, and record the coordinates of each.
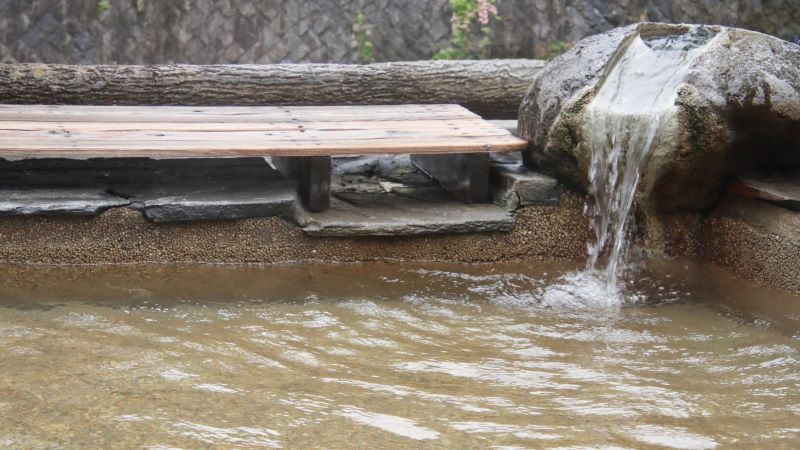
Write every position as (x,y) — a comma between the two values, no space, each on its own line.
(270,31)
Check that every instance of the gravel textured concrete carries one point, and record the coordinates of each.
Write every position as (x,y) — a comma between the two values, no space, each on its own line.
(125,236)
(753,240)
(756,241)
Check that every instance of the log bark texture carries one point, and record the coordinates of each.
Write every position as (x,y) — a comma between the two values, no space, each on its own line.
(491,88)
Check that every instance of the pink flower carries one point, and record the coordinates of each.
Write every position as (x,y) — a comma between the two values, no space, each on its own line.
(485,10)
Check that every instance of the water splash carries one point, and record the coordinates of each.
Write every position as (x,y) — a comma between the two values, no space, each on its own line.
(621,126)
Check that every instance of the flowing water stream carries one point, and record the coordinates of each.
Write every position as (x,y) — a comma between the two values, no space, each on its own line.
(620,127)
(390,356)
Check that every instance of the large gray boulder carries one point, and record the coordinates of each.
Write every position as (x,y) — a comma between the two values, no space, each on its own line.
(737,110)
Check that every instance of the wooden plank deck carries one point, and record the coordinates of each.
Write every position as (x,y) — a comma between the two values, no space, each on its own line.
(82,132)
(300,140)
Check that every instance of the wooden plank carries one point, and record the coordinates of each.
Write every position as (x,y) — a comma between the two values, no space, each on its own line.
(197,132)
(300,140)
(71,113)
(227,118)
(313,175)
(186,149)
(251,142)
(245,126)
(55,136)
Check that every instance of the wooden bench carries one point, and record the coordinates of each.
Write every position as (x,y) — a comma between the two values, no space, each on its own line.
(448,142)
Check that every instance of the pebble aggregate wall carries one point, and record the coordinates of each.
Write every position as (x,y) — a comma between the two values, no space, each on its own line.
(272,31)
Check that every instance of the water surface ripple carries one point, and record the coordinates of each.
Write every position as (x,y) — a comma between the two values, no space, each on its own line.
(383,355)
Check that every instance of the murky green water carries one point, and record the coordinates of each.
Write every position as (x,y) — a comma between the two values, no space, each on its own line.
(388,355)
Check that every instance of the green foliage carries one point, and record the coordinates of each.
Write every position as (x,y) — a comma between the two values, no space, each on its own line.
(139,5)
(103,5)
(556,48)
(471,29)
(366,51)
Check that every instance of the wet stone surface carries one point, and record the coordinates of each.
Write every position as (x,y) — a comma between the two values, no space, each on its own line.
(780,189)
(385,195)
(513,186)
(402,212)
(735,73)
(380,196)
(165,190)
(276,198)
(76,201)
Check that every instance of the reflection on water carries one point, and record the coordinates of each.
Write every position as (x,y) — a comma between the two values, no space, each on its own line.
(389,355)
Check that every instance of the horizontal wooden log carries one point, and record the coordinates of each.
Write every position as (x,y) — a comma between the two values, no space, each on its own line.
(491,88)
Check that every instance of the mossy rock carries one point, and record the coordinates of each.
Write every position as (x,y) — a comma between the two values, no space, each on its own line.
(736,111)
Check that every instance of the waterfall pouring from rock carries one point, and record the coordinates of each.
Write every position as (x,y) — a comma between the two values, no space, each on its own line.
(620,126)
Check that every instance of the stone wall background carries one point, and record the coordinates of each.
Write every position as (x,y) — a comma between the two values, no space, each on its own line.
(272,31)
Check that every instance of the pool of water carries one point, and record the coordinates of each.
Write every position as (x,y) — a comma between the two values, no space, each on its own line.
(392,355)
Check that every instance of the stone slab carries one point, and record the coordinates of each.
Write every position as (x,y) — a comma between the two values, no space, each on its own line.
(128,173)
(513,186)
(402,212)
(394,168)
(271,199)
(77,201)
(768,218)
(164,190)
(782,190)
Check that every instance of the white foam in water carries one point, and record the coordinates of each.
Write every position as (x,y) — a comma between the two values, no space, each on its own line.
(580,290)
(619,127)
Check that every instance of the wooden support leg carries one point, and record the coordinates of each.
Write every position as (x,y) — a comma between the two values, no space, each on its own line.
(465,175)
(313,175)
